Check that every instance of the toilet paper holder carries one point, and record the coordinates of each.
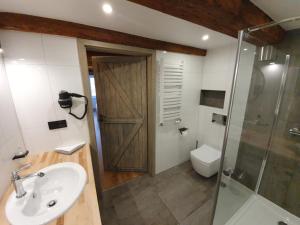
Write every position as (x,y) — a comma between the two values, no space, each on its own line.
(183,130)
(177,121)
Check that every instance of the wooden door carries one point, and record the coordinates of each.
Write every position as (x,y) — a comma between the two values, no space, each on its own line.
(122,107)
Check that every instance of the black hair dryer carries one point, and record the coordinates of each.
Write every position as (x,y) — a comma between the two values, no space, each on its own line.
(65,102)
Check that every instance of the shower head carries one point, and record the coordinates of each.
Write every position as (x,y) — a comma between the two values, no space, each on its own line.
(267,53)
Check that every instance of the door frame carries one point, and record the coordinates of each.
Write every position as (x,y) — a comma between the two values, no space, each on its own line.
(84,45)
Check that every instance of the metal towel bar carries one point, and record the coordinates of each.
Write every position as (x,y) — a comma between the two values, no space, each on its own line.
(171,83)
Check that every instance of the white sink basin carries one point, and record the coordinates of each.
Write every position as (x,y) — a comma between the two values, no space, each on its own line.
(60,187)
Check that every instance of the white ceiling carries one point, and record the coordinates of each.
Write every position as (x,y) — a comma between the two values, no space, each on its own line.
(281,9)
(127,17)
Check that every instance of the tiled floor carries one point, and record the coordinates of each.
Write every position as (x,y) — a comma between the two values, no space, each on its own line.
(178,196)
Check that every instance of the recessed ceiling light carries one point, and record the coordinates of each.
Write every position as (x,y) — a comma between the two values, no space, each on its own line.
(164,52)
(107,8)
(21,59)
(245,49)
(205,37)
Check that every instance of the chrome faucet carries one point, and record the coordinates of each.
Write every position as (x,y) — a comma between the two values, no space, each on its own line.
(18,181)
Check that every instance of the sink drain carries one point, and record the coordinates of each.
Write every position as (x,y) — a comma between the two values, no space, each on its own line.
(51,203)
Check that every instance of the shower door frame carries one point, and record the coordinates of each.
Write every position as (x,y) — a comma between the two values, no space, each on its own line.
(231,101)
(233,87)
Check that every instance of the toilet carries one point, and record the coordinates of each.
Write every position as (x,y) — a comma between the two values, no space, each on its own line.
(206,160)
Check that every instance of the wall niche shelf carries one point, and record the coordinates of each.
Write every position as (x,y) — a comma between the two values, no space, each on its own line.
(212,98)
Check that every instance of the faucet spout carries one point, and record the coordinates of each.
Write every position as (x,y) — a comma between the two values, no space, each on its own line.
(40,174)
(17,180)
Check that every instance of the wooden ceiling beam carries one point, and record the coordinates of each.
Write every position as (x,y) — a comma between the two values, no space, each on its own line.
(225,16)
(28,23)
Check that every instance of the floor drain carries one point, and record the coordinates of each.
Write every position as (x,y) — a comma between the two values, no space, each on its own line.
(282,223)
(51,203)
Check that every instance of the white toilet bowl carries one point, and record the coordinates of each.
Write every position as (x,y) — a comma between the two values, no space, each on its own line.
(206,160)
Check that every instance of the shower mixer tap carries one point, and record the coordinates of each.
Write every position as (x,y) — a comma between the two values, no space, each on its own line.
(294,131)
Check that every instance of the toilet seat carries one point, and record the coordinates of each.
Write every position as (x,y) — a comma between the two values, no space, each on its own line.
(206,160)
(206,154)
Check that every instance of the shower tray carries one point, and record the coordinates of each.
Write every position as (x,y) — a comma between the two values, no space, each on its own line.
(259,210)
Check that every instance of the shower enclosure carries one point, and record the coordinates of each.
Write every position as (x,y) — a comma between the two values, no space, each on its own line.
(259,179)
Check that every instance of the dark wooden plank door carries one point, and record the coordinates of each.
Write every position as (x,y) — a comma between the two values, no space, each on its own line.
(122,107)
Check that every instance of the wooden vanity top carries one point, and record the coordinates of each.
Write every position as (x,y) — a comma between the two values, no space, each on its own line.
(85,211)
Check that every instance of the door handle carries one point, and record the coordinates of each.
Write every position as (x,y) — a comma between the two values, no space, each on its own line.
(294,131)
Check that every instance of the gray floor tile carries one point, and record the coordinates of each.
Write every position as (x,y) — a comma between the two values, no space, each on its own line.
(109,216)
(176,196)
(201,216)
(135,219)
(125,206)
(183,199)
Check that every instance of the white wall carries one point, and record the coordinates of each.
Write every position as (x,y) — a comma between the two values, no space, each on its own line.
(38,67)
(218,71)
(243,82)
(10,133)
(172,148)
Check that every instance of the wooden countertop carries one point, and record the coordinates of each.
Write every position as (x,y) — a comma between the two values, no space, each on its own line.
(85,211)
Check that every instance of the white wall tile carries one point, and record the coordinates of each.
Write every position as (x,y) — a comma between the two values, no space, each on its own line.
(215,80)
(40,139)
(66,78)
(217,75)
(31,94)
(77,131)
(60,51)
(69,78)
(35,87)
(240,103)
(172,148)
(25,48)
(11,140)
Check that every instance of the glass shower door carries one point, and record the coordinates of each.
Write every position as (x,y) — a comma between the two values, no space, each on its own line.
(280,182)
(231,197)
(257,86)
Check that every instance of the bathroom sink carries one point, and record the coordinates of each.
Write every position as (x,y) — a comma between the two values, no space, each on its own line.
(47,197)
